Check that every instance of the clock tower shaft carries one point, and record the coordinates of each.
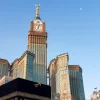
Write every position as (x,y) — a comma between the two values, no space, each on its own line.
(37,44)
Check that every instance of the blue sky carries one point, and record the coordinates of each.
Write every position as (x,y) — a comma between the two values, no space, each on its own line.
(69,30)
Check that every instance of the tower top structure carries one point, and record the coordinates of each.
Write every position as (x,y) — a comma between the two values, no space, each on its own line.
(37,11)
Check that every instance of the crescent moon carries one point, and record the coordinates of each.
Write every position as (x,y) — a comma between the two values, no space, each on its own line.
(80,9)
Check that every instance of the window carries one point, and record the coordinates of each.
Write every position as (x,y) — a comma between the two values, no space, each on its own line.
(30,61)
(6,81)
(30,69)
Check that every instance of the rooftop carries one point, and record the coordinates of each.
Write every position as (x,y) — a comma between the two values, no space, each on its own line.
(26,86)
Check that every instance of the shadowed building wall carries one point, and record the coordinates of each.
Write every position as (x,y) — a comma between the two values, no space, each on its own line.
(4,67)
(76,82)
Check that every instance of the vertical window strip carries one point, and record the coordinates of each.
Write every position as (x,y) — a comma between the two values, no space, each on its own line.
(32,39)
(38,56)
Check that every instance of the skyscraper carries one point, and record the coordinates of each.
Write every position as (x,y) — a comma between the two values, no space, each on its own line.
(37,44)
(76,82)
(59,78)
(66,80)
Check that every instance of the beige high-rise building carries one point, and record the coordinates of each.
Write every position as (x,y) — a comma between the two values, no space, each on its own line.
(59,78)
(4,67)
(23,67)
(65,80)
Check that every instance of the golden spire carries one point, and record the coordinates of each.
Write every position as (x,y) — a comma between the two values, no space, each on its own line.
(37,11)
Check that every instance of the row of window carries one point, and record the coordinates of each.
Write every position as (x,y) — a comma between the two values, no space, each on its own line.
(3,69)
(40,53)
(30,61)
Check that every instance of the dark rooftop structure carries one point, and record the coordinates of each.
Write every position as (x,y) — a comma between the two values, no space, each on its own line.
(21,89)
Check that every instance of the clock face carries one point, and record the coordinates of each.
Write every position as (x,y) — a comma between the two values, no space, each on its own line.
(37,27)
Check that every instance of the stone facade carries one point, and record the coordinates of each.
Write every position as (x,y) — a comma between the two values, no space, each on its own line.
(59,77)
(5,79)
(66,80)
(23,67)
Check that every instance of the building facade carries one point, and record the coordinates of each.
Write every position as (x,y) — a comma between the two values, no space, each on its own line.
(4,67)
(23,67)
(37,37)
(66,81)
(76,82)
(59,78)
(5,80)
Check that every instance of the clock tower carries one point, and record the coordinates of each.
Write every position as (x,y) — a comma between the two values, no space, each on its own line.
(37,44)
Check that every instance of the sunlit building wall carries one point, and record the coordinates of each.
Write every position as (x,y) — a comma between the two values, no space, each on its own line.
(5,79)
(66,80)
(23,67)
(59,77)
(14,68)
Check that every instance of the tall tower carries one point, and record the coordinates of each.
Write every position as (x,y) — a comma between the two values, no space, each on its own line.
(37,37)
(59,78)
